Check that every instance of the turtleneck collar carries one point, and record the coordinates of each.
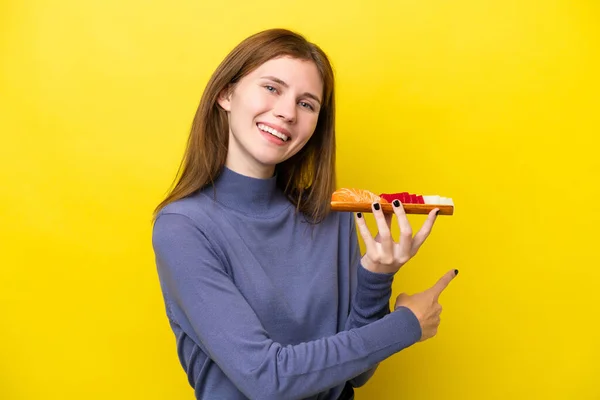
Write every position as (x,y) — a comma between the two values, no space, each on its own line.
(252,196)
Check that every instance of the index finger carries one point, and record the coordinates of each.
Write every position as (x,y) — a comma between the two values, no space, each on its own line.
(442,284)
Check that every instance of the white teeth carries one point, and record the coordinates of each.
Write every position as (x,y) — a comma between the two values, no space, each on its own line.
(273,132)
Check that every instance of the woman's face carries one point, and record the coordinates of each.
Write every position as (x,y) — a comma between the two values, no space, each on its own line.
(273,112)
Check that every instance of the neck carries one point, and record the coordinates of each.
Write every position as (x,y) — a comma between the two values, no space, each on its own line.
(248,194)
(242,167)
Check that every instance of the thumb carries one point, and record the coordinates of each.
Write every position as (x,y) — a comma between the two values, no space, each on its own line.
(402,296)
(402,299)
(443,282)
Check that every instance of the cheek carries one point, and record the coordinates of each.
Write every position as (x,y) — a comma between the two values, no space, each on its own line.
(257,102)
(248,104)
(310,126)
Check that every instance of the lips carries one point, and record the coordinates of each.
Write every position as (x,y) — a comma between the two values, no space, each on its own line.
(274,130)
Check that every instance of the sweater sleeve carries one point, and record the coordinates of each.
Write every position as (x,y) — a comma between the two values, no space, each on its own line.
(214,313)
(370,297)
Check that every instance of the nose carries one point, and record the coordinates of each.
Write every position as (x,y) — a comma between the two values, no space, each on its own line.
(285,109)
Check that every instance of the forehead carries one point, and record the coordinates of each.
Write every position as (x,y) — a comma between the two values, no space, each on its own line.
(299,74)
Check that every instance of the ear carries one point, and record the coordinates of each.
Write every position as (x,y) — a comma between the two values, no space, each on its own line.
(224,99)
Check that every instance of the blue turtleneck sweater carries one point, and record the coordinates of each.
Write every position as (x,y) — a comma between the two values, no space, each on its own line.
(264,305)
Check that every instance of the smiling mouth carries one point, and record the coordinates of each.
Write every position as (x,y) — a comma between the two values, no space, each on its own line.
(273,132)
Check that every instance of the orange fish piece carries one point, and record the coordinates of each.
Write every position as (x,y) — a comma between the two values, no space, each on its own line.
(356,195)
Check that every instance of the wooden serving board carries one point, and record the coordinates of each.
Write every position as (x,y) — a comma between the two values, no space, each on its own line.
(353,206)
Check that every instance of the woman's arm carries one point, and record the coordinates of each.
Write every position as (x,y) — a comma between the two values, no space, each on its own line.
(370,294)
(370,291)
(383,258)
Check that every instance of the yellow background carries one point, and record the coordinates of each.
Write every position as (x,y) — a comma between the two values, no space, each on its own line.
(492,103)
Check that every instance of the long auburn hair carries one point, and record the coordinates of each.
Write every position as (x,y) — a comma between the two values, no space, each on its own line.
(308,178)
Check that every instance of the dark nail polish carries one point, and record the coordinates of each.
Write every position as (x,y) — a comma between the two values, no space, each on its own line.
(437,212)
(376,206)
(359,215)
(455,272)
(396,203)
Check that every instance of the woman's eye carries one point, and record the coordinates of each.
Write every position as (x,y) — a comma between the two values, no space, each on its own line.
(271,89)
(306,105)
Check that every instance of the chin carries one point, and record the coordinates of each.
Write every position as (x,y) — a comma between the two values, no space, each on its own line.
(266,159)
(270,162)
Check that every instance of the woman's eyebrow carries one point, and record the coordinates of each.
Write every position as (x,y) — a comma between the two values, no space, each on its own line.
(282,83)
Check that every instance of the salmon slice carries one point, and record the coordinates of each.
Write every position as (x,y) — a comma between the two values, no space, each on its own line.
(356,195)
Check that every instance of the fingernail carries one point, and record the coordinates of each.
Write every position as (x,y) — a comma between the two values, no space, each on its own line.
(396,203)
(455,272)
(437,212)
(359,215)
(376,206)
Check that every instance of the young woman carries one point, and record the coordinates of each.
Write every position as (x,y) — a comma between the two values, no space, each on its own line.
(264,287)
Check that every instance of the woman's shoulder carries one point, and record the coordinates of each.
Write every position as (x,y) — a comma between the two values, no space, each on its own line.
(195,209)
